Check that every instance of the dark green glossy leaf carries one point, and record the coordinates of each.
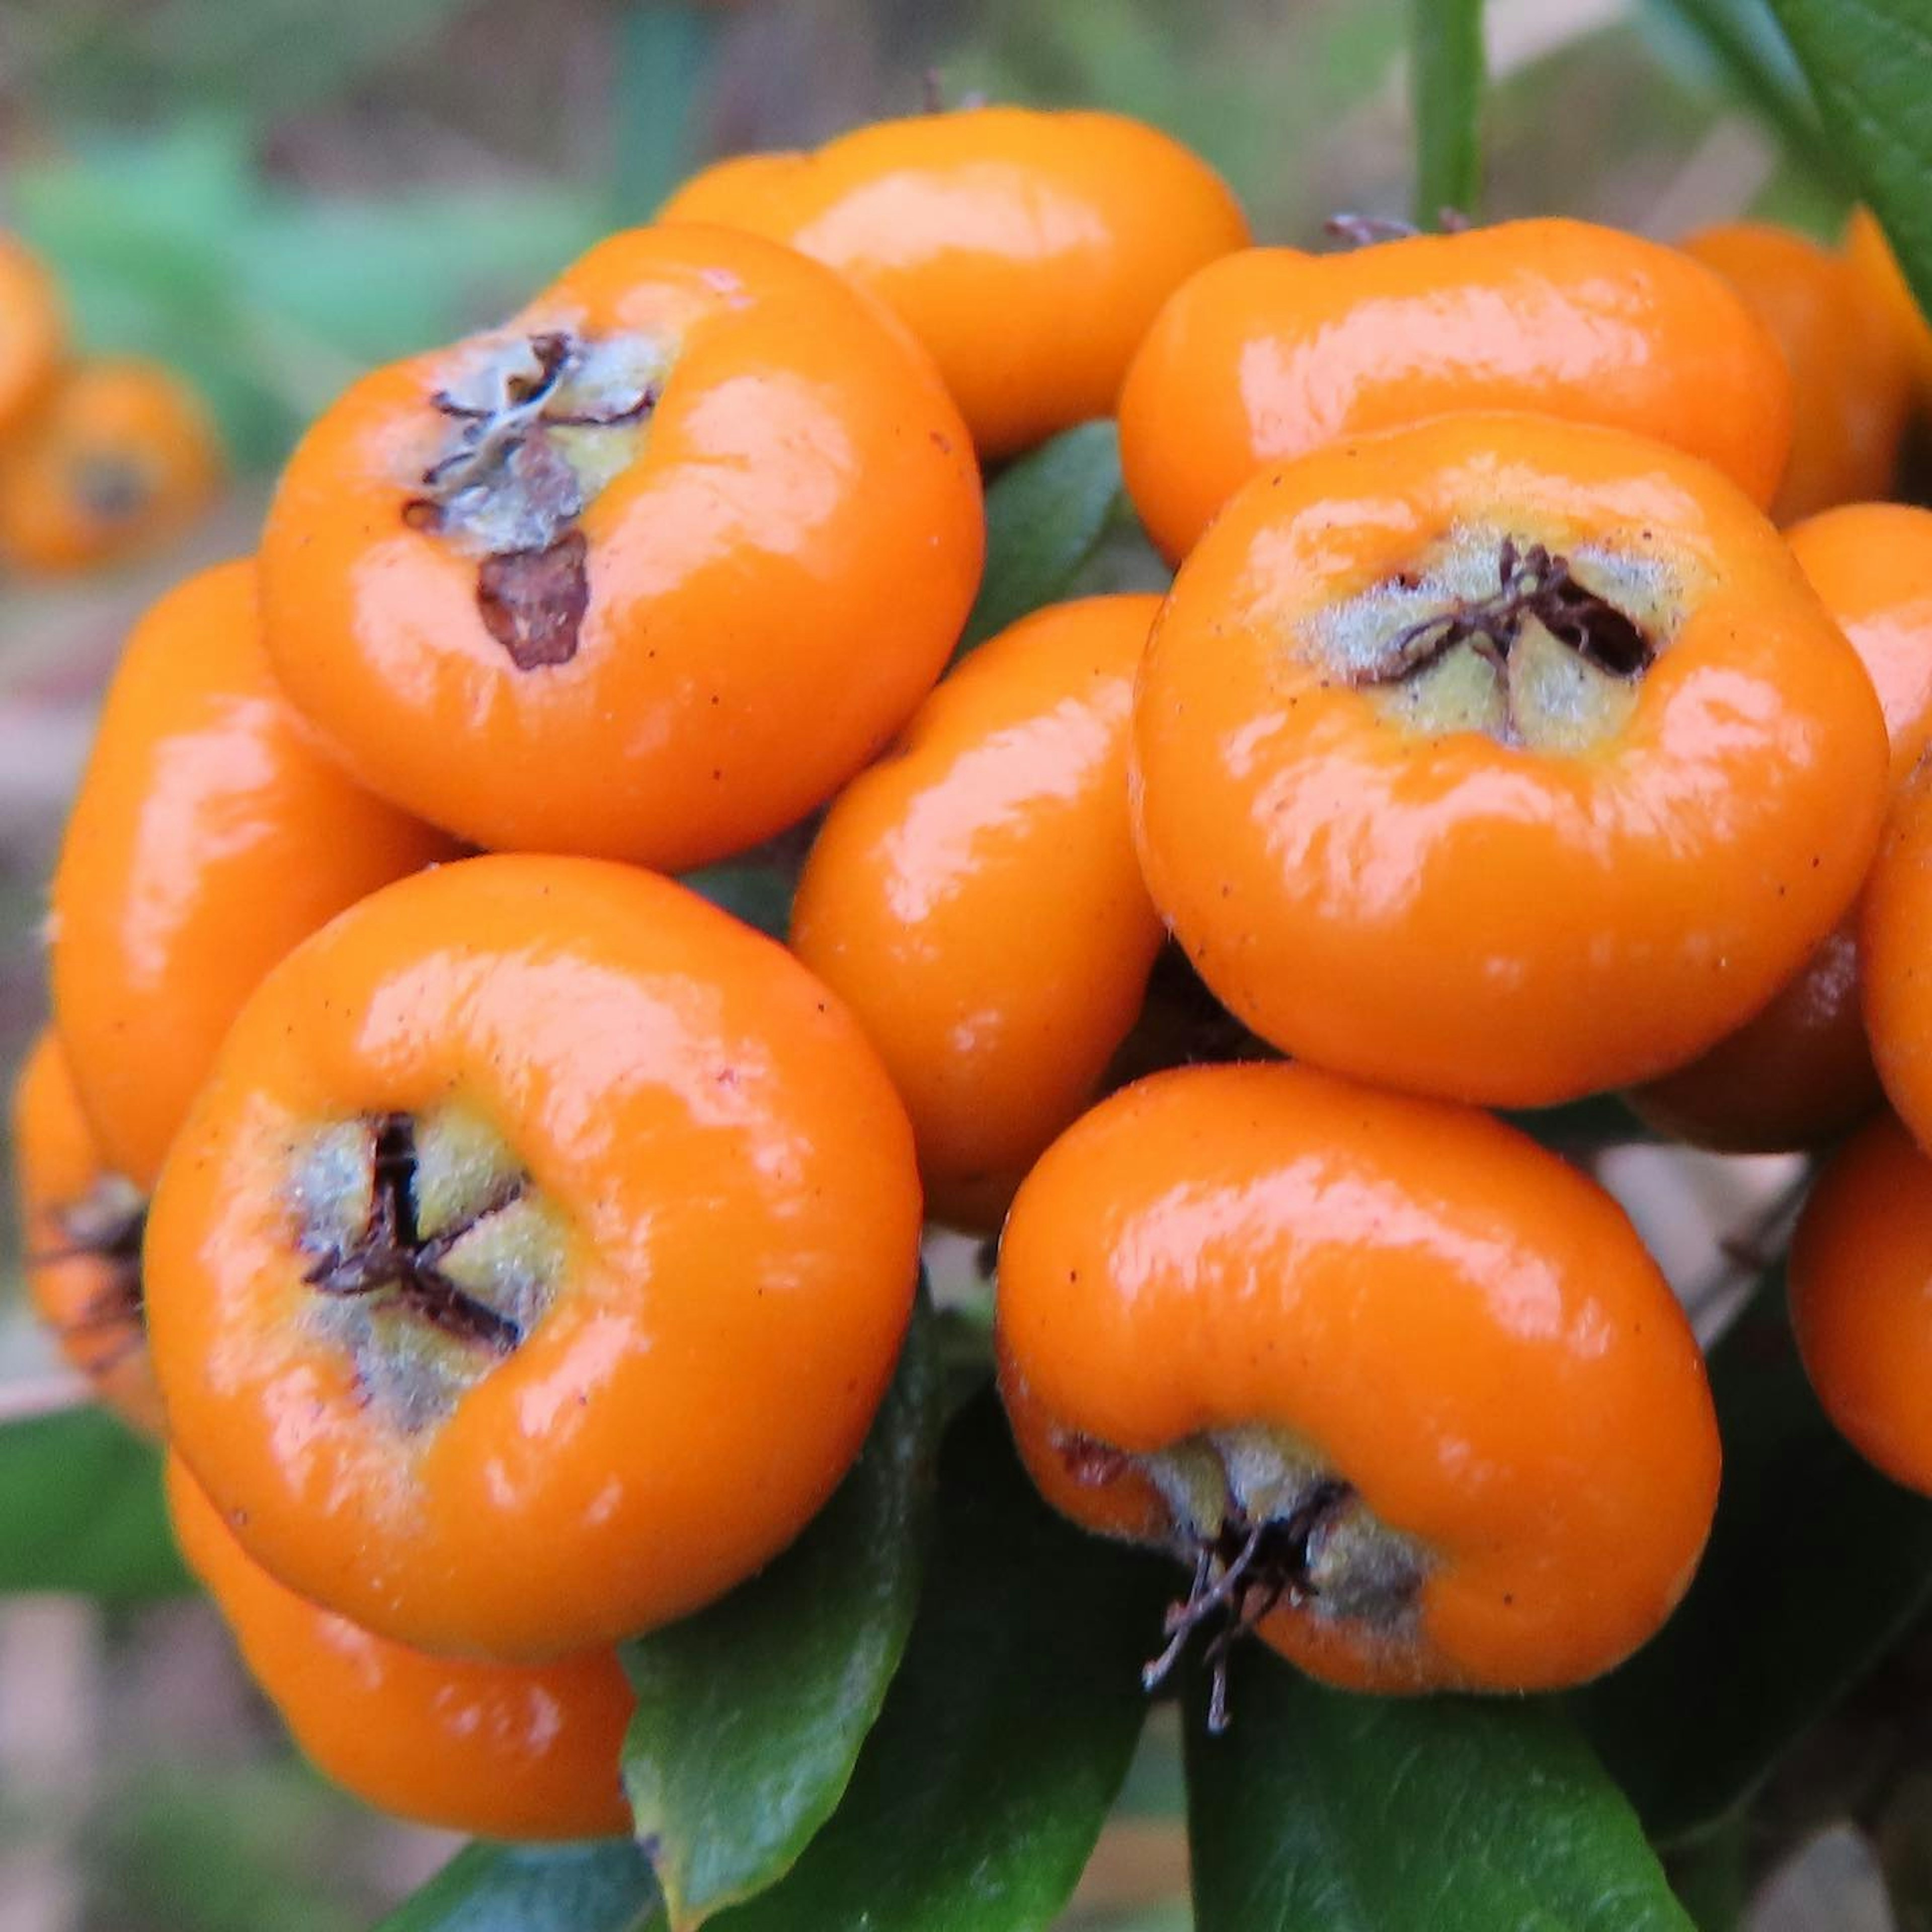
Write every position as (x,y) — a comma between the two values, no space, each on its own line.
(759,894)
(1046,515)
(750,1715)
(1868,62)
(81,1509)
(598,1888)
(979,1794)
(1816,1564)
(1446,72)
(1742,47)
(1584,1126)
(1323,1812)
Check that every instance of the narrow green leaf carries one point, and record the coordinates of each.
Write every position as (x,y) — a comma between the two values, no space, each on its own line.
(1323,1812)
(1816,1565)
(1868,62)
(1446,73)
(980,1792)
(664,49)
(750,1715)
(1742,47)
(1046,515)
(81,1509)
(596,1888)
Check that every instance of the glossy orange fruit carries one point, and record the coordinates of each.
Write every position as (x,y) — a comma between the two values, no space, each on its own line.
(1501,758)
(210,833)
(1029,251)
(1849,375)
(528,1269)
(1895,941)
(119,456)
(33,332)
(1265,355)
(976,899)
(1888,293)
(1798,1073)
(1404,1390)
(506,1750)
(1860,1280)
(80,1229)
(648,573)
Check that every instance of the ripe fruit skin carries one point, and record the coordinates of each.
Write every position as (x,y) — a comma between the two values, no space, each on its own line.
(210,833)
(1028,251)
(1266,355)
(1798,1073)
(975,898)
(33,332)
(1885,288)
(1895,937)
(1848,368)
(774,558)
(80,1230)
(1443,910)
(674,1188)
(118,455)
(1861,1265)
(1426,1305)
(505,1750)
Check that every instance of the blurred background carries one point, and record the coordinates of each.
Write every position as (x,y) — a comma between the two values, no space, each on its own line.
(269,195)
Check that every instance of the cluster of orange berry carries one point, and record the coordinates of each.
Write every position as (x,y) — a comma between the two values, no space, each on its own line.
(514,1248)
(101,457)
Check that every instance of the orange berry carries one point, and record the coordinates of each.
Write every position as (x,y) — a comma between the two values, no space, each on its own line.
(647,573)
(1028,251)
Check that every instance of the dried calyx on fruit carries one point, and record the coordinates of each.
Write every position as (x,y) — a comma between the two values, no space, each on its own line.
(1262,1525)
(538,425)
(431,1251)
(1528,646)
(104,1225)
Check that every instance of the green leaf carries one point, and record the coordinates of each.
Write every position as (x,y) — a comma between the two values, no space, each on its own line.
(750,1715)
(1321,1811)
(1867,61)
(81,1509)
(1816,1565)
(1046,515)
(760,894)
(1446,75)
(1742,45)
(980,1792)
(597,1888)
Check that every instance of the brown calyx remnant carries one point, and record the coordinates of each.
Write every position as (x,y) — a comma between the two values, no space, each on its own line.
(1241,1573)
(391,1255)
(105,1226)
(431,1255)
(1531,647)
(1264,1525)
(539,424)
(1531,584)
(111,489)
